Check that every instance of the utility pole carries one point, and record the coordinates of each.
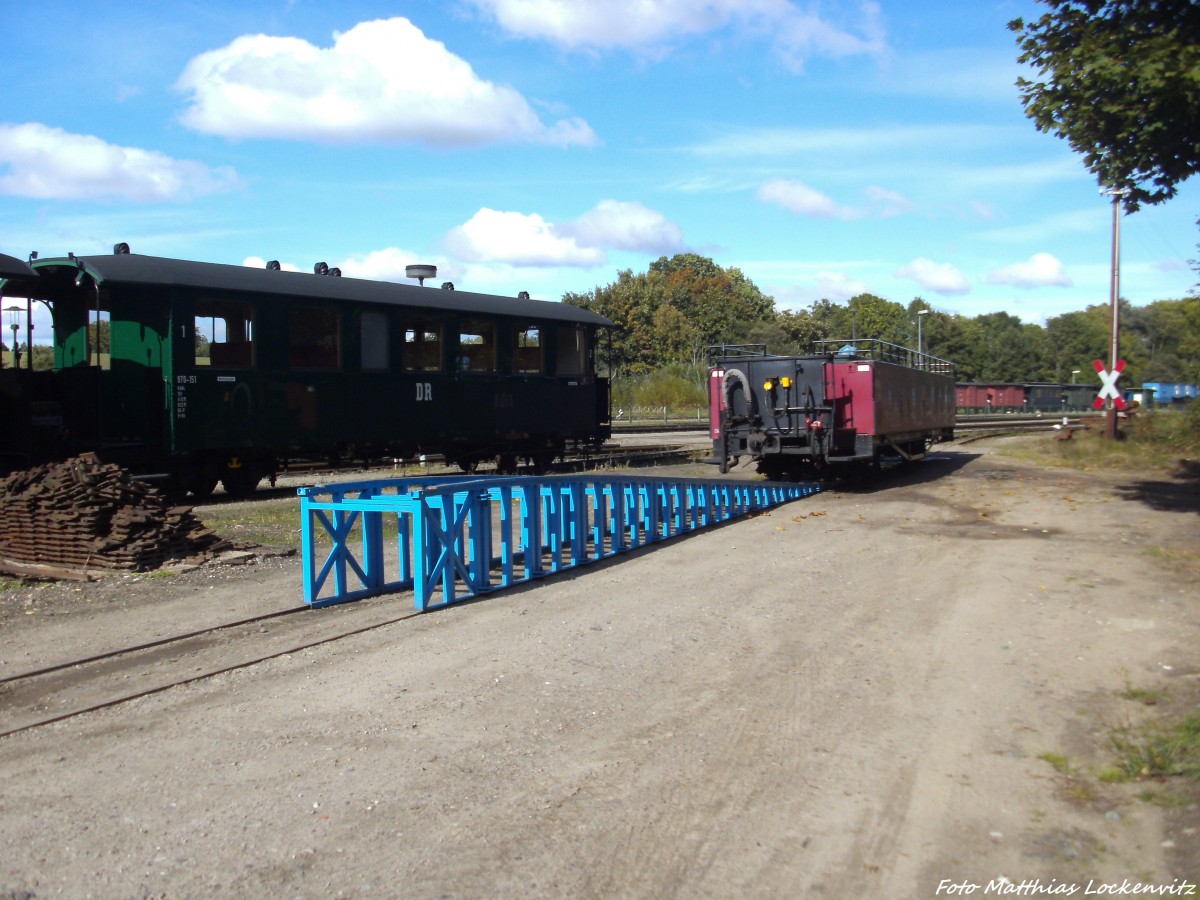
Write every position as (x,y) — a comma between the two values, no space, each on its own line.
(1114,353)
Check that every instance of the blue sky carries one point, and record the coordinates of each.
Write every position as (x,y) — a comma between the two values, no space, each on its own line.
(826,149)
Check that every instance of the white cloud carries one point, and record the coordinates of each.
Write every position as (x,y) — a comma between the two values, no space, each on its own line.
(625,226)
(609,24)
(888,203)
(654,25)
(390,264)
(47,162)
(803,33)
(257,262)
(518,239)
(839,286)
(382,81)
(941,278)
(513,238)
(799,198)
(1040,270)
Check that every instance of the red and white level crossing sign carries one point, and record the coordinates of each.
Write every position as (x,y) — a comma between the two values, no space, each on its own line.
(1108,385)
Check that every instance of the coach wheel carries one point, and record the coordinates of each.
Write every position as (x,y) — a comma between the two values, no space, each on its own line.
(468,465)
(195,480)
(506,463)
(201,487)
(240,482)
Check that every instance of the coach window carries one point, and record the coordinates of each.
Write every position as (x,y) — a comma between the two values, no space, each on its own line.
(99,338)
(373,338)
(477,346)
(423,346)
(314,338)
(224,334)
(572,350)
(527,351)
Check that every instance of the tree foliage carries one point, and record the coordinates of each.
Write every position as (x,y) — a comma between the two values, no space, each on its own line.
(667,317)
(675,311)
(1120,81)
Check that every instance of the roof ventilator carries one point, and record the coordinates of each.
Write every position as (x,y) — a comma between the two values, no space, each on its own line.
(121,249)
(420,272)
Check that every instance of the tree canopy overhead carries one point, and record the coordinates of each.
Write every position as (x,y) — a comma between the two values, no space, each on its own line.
(1120,81)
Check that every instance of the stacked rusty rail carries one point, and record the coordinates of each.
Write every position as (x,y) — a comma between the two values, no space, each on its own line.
(456,538)
(79,517)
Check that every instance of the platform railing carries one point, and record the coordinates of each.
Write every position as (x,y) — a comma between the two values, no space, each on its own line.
(451,539)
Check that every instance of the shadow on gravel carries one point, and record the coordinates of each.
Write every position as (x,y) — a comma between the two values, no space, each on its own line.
(1181,496)
(935,466)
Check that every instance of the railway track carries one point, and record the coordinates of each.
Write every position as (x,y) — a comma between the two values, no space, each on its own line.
(977,428)
(613,454)
(71,688)
(609,455)
(962,423)
(76,687)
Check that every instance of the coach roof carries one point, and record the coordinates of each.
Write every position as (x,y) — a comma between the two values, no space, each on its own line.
(137,270)
(12,269)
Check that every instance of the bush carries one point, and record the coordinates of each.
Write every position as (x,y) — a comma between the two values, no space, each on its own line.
(1176,430)
(675,386)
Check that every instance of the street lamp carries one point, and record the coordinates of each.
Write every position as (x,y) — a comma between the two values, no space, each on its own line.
(14,320)
(920,346)
(1074,372)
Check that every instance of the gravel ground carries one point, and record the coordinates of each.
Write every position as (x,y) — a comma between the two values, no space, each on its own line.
(873,692)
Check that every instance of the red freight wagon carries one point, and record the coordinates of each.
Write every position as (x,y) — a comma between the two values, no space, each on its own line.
(985,397)
(847,405)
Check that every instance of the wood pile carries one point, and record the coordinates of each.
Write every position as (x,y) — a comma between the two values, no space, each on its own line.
(72,518)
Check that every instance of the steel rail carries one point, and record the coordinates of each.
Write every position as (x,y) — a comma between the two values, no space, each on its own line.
(192,679)
(605,456)
(149,645)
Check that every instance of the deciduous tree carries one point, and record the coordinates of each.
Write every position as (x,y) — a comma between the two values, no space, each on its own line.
(1120,81)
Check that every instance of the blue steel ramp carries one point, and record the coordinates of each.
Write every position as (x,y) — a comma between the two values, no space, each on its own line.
(450,539)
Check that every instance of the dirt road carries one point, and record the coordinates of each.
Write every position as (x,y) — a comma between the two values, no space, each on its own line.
(885,692)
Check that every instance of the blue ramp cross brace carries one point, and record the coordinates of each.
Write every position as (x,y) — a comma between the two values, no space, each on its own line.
(456,538)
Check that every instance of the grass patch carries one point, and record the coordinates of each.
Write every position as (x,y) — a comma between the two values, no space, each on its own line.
(273,523)
(1142,695)
(1152,440)
(1076,786)
(1058,762)
(1173,555)
(1158,750)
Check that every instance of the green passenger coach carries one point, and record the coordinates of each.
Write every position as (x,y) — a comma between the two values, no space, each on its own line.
(199,372)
